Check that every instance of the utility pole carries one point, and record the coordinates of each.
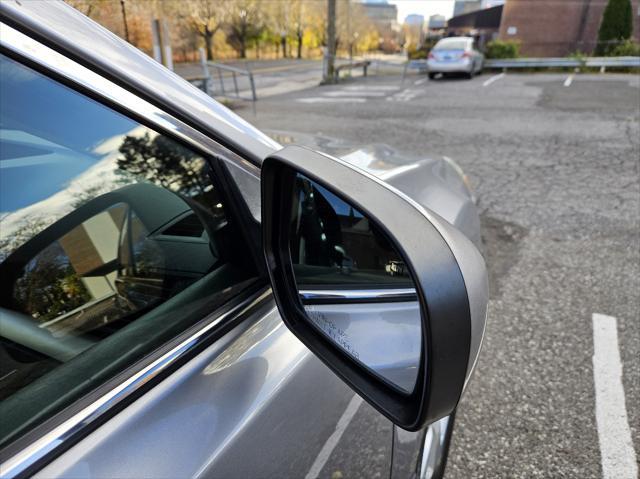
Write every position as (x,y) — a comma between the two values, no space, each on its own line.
(330,53)
(161,43)
(124,19)
(349,36)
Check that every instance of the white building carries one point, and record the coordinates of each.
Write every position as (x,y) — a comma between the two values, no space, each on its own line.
(437,22)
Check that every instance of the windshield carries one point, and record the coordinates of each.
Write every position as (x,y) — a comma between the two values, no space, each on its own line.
(452,44)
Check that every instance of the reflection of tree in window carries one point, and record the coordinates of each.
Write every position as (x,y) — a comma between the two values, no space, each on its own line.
(50,286)
(164,162)
(31,227)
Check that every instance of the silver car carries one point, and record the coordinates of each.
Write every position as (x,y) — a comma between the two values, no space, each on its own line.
(183,297)
(455,55)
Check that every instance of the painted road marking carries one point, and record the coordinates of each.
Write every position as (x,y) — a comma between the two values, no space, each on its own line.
(404,95)
(569,79)
(333,440)
(614,435)
(361,93)
(420,82)
(494,78)
(319,99)
(370,87)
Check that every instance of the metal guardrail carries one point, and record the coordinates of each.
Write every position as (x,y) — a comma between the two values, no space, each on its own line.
(375,64)
(219,68)
(593,62)
(350,66)
(420,65)
(534,63)
(207,81)
(597,62)
(378,64)
(632,62)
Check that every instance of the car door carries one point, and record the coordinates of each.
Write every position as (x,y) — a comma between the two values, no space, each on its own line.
(139,333)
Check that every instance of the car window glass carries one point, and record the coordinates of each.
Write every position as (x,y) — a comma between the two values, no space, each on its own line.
(451,45)
(113,239)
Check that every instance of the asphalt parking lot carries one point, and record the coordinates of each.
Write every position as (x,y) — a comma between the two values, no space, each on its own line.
(555,162)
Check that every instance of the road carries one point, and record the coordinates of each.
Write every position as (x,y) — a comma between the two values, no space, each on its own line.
(555,165)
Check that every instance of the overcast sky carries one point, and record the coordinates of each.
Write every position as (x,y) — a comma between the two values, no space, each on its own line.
(423,7)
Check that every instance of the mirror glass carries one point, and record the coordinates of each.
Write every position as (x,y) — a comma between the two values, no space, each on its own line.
(355,286)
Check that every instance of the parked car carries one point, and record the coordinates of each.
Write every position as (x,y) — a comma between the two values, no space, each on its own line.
(184,297)
(455,55)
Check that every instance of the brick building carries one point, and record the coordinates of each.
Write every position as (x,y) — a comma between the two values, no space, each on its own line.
(483,25)
(556,28)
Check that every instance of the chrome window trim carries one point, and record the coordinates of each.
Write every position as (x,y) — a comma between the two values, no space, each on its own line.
(54,61)
(23,460)
(359,295)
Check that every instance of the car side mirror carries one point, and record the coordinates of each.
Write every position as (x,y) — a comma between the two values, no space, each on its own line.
(387,294)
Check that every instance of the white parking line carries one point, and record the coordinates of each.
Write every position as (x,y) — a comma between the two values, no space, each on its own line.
(333,440)
(494,78)
(361,93)
(569,79)
(614,435)
(420,82)
(370,87)
(320,99)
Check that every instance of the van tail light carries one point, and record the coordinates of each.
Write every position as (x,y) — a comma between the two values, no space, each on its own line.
(466,55)
(431,56)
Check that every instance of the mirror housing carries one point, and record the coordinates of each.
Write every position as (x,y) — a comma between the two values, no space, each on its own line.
(447,269)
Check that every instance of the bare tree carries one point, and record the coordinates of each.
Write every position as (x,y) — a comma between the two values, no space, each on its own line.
(207,17)
(246,23)
(277,19)
(298,9)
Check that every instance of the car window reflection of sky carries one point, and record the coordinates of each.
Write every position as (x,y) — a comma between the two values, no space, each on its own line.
(48,135)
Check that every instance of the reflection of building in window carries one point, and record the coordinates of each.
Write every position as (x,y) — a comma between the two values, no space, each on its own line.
(147,245)
(94,244)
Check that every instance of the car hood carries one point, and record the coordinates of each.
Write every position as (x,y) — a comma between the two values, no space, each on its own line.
(436,183)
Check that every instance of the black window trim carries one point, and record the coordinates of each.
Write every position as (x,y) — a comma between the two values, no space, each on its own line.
(33,450)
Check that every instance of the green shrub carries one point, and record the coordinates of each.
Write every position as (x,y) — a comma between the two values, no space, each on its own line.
(421,52)
(578,55)
(502,49)
(627,48)
(418,54)
(617,25)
